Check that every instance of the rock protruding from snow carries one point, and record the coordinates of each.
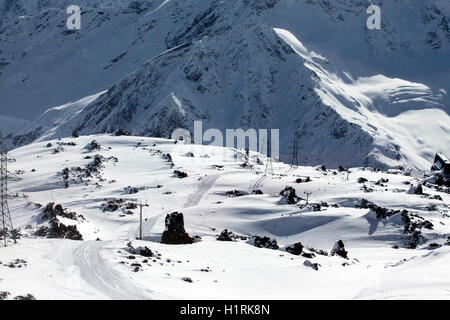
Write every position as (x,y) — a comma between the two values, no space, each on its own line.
(295,249)
(310,264)
(288,193)
(339,250)
(227,235)
(264,242)
(141,250)
(175,232)
(57,229)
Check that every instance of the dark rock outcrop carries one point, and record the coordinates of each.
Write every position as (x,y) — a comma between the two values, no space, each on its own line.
(296,248)
(175,232)
(339,250)
(289,194)
(265,242)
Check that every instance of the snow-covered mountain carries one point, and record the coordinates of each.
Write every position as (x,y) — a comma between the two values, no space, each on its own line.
(74,188)
(310,68)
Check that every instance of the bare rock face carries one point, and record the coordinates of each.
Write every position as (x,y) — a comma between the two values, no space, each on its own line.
(175,232)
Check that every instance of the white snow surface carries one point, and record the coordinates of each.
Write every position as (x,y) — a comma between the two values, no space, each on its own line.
(90,269)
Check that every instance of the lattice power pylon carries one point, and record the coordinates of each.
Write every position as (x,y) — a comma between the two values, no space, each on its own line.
(294,148)
(6,221)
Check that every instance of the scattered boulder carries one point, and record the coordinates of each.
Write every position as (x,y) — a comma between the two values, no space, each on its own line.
(236,193)
(318,251)
(289,194)
(175,232)
(265,242)
(60,230)
(180,174)
(308,263)
(52,211)
(227,235)
(56,229)
(339,250)
(300,180)
(143,251)
(362,180)
(187,279)
(131,190)
(93,146)
(295,249)
(168,157)
(258,192)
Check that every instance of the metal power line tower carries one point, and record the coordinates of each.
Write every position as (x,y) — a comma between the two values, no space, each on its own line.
(294,148)
(269,160)
(6,222)
(269,166)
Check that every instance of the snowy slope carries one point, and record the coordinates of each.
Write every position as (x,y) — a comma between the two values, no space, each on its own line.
(68,269)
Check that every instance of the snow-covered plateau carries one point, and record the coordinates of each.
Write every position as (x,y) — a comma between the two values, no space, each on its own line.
(362,234)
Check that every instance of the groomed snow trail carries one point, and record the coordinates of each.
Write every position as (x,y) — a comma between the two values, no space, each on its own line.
(205,185)
(96,271)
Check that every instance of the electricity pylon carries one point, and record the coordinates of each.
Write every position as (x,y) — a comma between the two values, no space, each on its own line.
(294,148)
(6,222)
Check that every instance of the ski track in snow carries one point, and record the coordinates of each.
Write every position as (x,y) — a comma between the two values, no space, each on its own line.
(95,271)
(205,185)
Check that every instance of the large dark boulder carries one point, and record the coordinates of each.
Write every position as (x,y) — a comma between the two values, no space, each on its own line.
(175,232)
(225,235)
(289,194)
(296,248)
(339,250)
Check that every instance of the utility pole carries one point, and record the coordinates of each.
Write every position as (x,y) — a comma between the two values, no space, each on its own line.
(140,204)
(308,193)
(7,226)
(294,148)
